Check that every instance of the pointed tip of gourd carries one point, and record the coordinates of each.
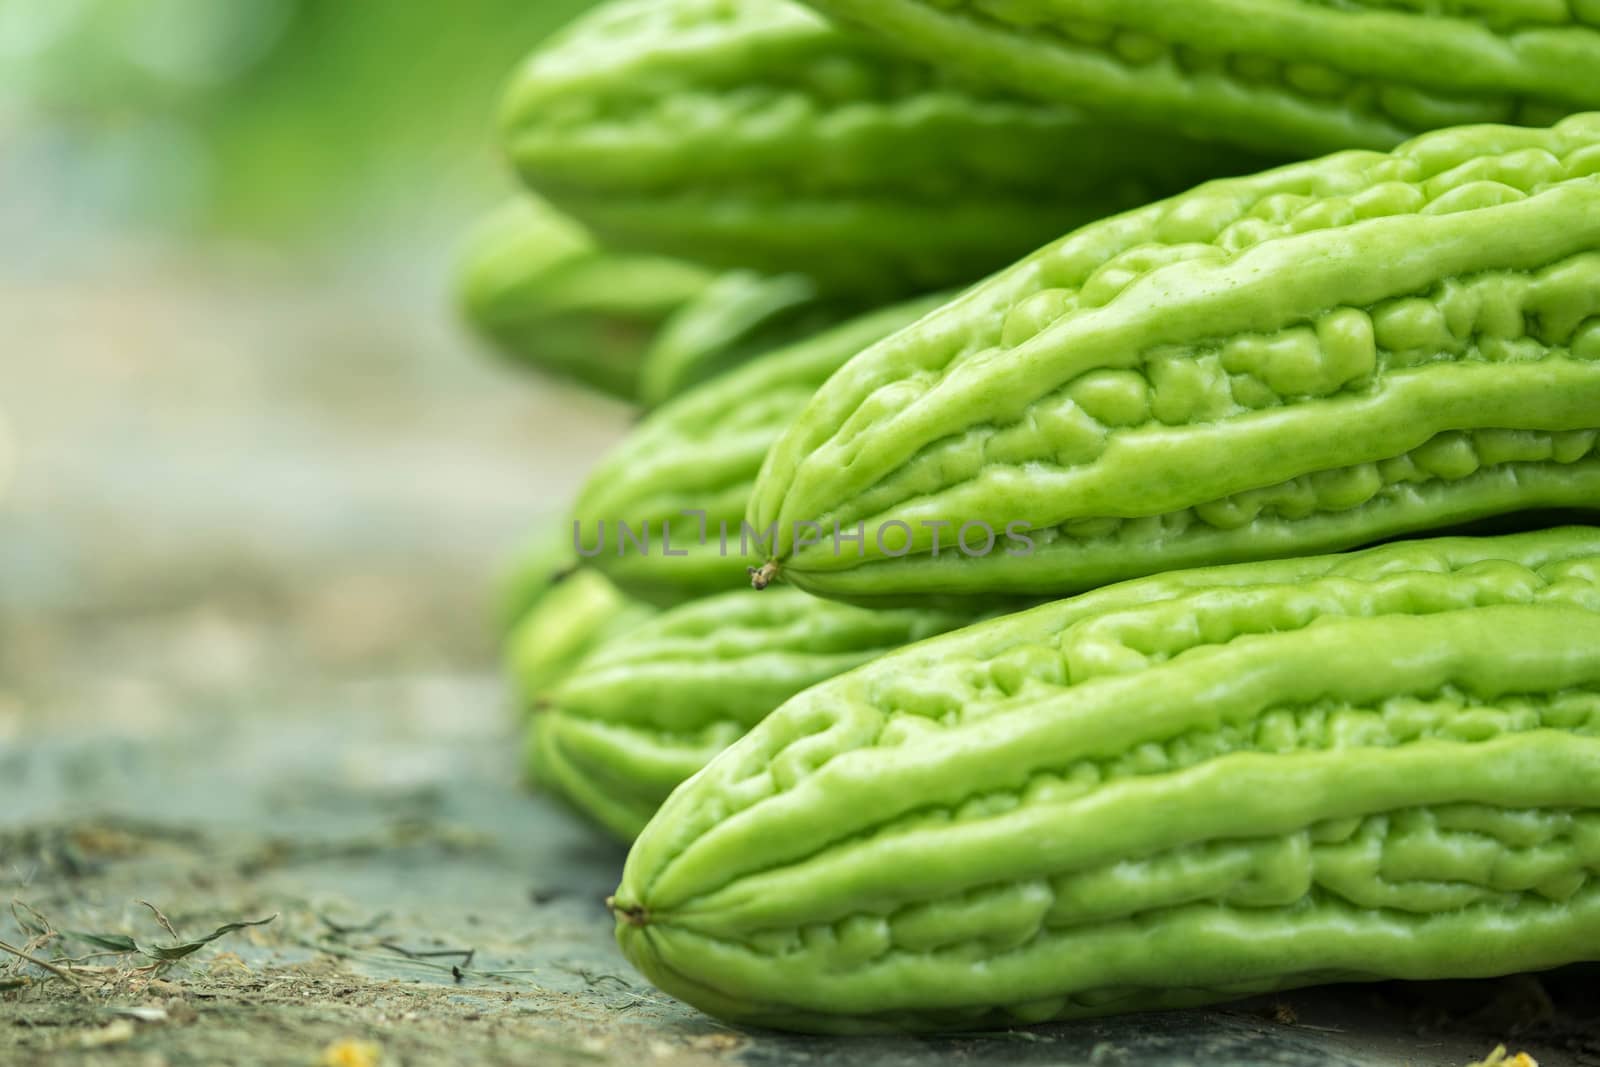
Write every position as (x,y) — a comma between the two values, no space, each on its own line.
(764,575)
(632,915)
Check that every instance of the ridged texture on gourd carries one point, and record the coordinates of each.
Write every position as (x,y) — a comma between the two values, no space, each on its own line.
(1307,359)
(536,283)
(739,316)
(1283,75)
(640,714)
(1172,791)
(701,452)
(751,133)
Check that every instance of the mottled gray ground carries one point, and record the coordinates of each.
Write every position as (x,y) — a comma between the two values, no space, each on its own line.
(245,671)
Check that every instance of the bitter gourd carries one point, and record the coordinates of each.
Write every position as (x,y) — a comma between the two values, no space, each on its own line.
(739,316)
(537,567)
(642,713)
(579,612)
(688,467)
(1315,357)
(537,284)
(1178,790)
(1303,76)
(751,133)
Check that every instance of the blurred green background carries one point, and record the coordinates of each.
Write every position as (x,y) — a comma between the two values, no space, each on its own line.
(303,120)
(247,446)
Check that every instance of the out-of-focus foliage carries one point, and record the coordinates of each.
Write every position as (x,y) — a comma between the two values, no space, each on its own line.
(269,117)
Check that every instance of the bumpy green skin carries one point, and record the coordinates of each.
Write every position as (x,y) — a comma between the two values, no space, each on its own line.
(642,713)
(751,133)
(1311,358)
(579,612)
(1174,791)
(739,316)
(535,283)
(701,452)
(1302,76)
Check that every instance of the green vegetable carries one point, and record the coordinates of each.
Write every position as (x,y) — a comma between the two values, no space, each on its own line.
(1311,358)
(578,613)
(643,712)
(1298,75)
(537,284)
(739,316)
(1178,790)
(700,453)
(536,568)
(750,133)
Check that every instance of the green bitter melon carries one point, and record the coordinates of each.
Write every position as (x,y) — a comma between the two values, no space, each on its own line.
(753,134)
(1296,76)
(1178,790)
(1315,357)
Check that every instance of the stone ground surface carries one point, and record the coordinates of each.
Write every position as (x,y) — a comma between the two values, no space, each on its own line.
(245,673)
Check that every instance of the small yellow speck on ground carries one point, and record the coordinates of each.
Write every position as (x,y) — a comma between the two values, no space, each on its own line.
(348,1052)
(1500,1058)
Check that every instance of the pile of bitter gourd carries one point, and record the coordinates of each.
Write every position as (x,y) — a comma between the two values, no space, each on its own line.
(1170,578)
